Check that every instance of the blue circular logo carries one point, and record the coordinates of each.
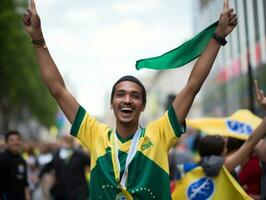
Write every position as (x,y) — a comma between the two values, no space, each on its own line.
(202,189)
(239,127)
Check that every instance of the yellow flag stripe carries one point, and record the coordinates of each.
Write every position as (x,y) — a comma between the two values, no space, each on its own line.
(242,122)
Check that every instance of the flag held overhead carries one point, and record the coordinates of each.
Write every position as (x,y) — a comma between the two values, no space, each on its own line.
(183,54)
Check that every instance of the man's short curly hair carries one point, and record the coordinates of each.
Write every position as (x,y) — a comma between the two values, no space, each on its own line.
(132,79)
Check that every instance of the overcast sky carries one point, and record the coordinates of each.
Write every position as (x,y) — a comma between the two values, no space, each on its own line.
(95,42)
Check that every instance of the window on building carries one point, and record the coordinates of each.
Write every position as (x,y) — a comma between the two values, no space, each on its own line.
(237,29)
(246,22)
(256,19)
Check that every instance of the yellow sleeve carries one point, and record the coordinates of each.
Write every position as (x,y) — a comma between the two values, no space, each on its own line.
(86,128)
(168,128)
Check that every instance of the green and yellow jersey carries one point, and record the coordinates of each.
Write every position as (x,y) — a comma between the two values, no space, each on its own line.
(148,172)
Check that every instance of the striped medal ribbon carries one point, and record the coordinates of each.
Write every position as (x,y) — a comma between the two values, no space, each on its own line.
(116,164)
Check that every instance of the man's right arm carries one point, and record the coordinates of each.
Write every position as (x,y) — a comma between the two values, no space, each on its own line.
(49,71)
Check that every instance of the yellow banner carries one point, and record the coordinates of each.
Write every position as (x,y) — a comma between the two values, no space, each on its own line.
(196,186)
(239,125)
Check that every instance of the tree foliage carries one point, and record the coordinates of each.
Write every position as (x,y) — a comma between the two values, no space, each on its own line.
(20,82)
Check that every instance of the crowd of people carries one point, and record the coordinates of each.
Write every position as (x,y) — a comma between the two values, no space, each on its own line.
(130,161)
(35,170)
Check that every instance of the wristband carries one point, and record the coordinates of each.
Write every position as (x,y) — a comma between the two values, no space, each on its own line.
(39,43)
(219,39)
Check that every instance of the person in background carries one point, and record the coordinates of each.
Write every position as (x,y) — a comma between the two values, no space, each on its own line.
(214,148)
(260,149)
(47,180)
(213,164)
(2,143)
(249,176)
(13,170)
(69,165)
(30,156)
(232,145)
(178,154)
(260,152)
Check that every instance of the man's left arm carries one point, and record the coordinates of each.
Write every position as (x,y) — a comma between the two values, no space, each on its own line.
(201,69)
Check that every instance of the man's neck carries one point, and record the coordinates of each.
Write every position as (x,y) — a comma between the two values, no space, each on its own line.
(126,131)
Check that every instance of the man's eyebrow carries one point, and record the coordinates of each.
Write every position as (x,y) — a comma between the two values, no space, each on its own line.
(120,90)
(136,92)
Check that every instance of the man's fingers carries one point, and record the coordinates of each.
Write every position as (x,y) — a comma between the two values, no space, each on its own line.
(226,5)
(233,21)
(27,17)
(26,22)
(229,12)
(29,12)
(232,15)
(32,6)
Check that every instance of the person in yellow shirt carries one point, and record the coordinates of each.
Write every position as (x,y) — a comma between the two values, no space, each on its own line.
(128,161)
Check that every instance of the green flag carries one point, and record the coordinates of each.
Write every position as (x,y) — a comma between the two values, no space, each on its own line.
(181,55)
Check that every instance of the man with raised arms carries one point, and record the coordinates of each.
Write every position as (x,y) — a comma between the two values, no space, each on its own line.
(129,161)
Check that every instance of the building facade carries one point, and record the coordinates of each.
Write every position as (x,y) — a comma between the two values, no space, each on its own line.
(230,85)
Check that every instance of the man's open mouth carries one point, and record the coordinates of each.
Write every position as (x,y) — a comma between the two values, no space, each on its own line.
(126,110)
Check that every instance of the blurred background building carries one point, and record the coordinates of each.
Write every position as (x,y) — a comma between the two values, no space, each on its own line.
(230,84)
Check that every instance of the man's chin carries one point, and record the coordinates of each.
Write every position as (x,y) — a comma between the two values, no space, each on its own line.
(126,120)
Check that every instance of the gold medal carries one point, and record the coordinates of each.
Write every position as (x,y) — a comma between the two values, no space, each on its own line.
(120,196)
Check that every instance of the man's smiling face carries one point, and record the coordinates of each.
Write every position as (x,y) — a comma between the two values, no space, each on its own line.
(127,102)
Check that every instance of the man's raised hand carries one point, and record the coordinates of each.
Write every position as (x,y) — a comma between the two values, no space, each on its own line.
(227,20)
(32,22)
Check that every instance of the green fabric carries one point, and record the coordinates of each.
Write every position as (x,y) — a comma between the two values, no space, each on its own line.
(150,177)
(77,122)
(142,178)
(178,129)
(183,54)
(123,140)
